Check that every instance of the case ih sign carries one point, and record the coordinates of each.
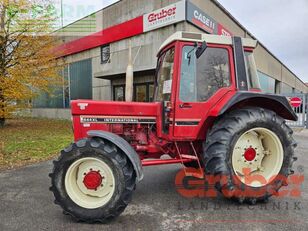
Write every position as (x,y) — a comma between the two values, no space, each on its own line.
(165,16)
(200,19)
(203,21)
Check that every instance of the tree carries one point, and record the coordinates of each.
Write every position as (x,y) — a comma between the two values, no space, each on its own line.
(28,61)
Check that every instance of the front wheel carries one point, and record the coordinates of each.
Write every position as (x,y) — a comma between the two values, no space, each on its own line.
(92,180)
(250,151)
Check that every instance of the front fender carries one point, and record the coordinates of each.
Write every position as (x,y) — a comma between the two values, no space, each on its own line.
(276,103)
(124,146)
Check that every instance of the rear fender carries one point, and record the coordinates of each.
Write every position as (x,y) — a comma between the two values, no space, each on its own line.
(124,146)
(276,103)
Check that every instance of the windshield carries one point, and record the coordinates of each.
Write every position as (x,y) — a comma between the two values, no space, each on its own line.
(201,78)
(164,76)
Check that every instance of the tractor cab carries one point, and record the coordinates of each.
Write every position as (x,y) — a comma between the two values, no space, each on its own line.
(197,74)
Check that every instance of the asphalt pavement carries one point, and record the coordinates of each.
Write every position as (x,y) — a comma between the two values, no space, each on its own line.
(27,204)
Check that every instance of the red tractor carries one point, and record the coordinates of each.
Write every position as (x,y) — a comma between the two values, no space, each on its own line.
(208,114)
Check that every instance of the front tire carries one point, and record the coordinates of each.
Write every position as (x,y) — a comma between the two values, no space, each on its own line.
(92,180)
(249,143)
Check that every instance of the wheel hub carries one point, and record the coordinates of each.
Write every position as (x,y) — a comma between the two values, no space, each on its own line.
(92,180)
(257,152)
(250,154)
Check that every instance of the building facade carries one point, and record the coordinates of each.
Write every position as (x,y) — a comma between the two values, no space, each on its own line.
(95,50)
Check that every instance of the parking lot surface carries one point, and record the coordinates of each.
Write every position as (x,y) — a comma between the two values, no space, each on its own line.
(27,204)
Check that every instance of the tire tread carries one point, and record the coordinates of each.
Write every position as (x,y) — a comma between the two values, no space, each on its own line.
(117,155)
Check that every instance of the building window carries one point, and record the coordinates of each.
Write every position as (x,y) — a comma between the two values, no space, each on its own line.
(66,87)
(140,93)
(80,80)
(286,89)
(267,83)
(143,92)
(119,93)
(151,92)
(77,84)
(105,54)
(277,86)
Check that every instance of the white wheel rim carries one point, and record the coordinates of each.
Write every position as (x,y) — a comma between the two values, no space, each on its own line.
(77,189)
(267,161)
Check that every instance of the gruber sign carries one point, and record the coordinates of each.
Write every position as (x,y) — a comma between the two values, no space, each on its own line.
(165,16)
(295,101)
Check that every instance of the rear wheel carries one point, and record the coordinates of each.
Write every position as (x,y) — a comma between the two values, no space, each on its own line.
(259,150)
(251,152)
(92,180)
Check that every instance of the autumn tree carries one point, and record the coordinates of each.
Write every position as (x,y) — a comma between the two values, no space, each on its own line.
(28,61)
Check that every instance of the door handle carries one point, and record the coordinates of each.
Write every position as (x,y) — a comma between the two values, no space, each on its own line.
(185,105)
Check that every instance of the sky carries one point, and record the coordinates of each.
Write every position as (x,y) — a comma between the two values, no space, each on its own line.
(76,9)
(280,25)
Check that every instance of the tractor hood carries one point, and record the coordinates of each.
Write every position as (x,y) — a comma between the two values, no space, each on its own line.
(90,115)
(115,110)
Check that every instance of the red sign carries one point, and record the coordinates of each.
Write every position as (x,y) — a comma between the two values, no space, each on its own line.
(295,102)
(165,16)
(162,14)
(223,31)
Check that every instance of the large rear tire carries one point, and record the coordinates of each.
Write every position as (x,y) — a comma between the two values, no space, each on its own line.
(92,180)
(249,143)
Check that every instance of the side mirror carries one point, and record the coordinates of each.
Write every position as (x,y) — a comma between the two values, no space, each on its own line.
(201,49)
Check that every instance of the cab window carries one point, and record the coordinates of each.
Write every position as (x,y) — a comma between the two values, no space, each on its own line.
(251,71)
(164,76)
(201,78)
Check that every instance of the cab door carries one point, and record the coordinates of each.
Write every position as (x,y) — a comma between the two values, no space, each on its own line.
(201,84)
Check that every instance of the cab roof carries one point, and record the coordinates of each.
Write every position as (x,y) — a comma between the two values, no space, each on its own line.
(209,38)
